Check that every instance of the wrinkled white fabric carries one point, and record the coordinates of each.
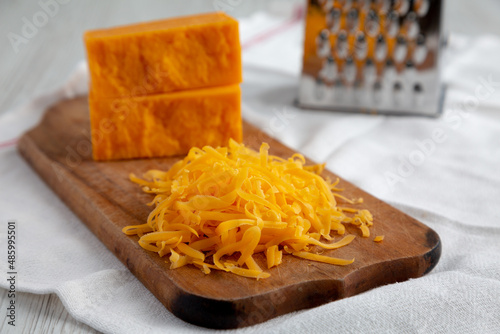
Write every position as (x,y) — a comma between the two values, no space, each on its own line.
(455,191)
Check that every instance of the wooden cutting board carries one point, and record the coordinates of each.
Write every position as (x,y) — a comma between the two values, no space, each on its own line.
(101,194)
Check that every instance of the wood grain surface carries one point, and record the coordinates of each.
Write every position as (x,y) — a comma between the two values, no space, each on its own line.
(102,196)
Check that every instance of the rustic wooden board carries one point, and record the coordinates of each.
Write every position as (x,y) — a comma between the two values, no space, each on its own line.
(101,195)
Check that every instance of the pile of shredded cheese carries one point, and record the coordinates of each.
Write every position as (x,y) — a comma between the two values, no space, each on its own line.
(218,207)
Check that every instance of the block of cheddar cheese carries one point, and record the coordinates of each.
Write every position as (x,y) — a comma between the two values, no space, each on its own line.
(164,124)
(164,56)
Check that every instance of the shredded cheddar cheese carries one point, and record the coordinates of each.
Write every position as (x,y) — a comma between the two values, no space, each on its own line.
(218,207)
(378,238)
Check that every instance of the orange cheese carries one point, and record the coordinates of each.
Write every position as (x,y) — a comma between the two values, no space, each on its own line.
(218,207)
(165,124)
(164,56)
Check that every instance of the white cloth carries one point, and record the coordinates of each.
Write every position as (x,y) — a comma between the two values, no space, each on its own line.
(455,191)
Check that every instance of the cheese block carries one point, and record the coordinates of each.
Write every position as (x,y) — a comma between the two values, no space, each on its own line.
(164,124)
(164,56)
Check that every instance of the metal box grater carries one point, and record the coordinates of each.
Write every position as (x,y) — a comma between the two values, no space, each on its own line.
(373,56)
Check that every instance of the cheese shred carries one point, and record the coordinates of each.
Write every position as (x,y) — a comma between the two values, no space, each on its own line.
(218,207)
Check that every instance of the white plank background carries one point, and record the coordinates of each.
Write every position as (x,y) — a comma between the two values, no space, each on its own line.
(45,61)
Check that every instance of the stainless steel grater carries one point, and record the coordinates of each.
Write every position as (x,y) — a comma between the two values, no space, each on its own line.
(373,56)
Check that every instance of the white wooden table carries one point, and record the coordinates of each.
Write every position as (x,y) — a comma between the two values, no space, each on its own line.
(42,60)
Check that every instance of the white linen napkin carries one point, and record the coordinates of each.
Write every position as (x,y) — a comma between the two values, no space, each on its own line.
(455,191)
